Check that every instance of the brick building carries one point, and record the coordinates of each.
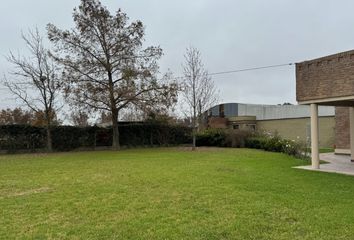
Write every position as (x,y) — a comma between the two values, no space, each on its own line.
(342,134)
(329,81)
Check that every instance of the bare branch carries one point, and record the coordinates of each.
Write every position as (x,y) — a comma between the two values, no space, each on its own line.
(34,79)
(198,89)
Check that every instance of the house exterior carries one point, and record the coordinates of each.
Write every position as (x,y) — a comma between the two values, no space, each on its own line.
(329,81)
(289,121)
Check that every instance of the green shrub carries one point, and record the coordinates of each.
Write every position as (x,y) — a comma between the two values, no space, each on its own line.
(295,148)
(275,143)
(255,142)
(236,138)
(222,138)
(211,137)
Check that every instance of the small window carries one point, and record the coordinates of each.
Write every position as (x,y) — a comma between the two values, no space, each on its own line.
(252,127)
(236,126)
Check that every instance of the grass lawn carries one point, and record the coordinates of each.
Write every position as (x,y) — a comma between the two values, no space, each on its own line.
(171,194)
(326,150)
(323,150)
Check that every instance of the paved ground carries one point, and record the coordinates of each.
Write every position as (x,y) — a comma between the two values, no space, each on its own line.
(336,164)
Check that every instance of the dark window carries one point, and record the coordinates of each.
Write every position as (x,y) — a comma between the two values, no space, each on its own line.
(236,126)
(221,110)
(252,127)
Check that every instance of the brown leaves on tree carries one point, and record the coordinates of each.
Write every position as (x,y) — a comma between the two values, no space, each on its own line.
(105,66)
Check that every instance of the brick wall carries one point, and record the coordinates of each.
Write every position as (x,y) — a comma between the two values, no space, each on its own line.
(342,137)
(326,77)
(217,122)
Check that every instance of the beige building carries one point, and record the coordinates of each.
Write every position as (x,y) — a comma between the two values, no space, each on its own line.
(289,121)
(329,81)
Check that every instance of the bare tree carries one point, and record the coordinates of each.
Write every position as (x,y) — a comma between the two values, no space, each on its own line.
(80,118)
(105,65)
(198,89)
(34,80)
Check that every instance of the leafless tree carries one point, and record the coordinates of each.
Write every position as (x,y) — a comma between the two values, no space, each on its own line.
(198,89)
(80,118)
(35,81)
(105,65)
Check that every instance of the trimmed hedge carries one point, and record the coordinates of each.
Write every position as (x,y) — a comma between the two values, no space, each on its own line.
(28,138)
(14,137)
(222,138)
(211,137)
(67,138)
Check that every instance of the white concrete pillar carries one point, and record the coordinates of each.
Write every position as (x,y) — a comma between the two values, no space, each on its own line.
(315,157)
(351,123)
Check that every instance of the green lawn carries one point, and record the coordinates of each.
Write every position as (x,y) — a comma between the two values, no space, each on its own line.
(326,150)
(323,150)
(171,194)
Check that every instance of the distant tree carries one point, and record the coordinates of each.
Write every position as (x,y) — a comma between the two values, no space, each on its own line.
(28,117)
(105,118)
(40,119)
(105,65)
(35,81)
(160,117)
(198,89)
(131,114)
(80,118)
(285,104)
(16,116)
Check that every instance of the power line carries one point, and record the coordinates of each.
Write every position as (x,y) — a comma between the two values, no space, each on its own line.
(230,71)
(250,69)
(242,70)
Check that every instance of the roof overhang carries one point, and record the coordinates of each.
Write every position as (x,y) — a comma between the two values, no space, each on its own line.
(346,101)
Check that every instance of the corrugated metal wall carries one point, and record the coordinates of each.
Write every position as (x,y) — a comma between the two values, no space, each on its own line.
(231,109)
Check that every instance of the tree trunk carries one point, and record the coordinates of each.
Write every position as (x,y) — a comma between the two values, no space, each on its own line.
(115,142)
(194,130)
(194,125)
(194,140)
(49,139)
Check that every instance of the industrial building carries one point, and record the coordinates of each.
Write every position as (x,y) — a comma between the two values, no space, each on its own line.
(289,121)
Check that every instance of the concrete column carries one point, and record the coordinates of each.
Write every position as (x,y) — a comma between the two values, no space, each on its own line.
(315,157)
(351,123)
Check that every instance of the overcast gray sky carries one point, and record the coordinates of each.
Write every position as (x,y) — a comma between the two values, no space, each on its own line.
(231,34)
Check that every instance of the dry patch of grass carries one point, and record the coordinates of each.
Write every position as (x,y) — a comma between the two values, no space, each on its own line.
(200,149)
(26,192)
